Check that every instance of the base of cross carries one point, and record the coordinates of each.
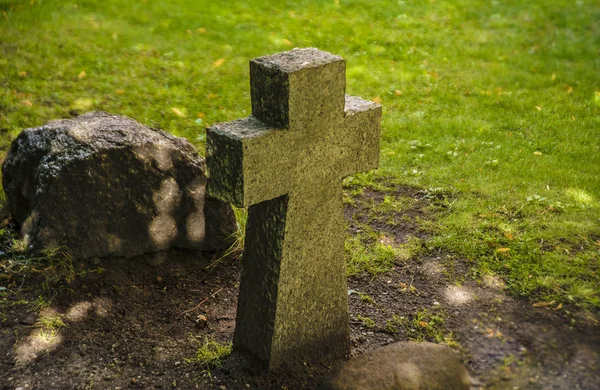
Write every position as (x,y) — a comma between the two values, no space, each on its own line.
(286,163)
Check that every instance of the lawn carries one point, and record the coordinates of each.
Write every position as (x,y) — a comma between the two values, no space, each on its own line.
(491,107)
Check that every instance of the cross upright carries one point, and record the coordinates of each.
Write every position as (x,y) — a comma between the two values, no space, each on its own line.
(286,163)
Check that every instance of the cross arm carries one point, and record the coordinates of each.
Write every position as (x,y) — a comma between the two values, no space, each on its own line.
(361,142)
(246,161)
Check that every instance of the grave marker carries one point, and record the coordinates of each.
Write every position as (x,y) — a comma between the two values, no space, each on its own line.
(286,162)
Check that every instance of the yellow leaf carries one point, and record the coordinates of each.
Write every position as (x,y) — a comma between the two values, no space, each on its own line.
(537,153)
(218,62)
(189,32)
(538,108)
(489,332)
(377,100)
(502,250)
(423,324)
(81,75)
(201,30)
(201,115)
(286,42)
(22,74)
(553,76)
(27,103)
(569,89)
(509,236)
(120,91)
(398,92)
(560,306)
(178,112)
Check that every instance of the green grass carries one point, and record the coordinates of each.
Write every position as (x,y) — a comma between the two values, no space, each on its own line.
(497,103)
(210,354)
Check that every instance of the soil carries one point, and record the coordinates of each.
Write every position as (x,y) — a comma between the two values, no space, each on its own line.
(134,324)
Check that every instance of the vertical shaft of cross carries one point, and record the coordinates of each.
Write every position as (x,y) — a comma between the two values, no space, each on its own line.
(300,310)
(312,315)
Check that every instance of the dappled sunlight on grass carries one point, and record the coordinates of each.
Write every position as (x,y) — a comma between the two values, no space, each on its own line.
(581,197)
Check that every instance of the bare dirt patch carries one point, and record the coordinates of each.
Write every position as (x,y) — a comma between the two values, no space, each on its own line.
(135,324)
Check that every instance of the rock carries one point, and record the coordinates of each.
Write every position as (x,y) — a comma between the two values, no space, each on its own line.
(102,185)
(29,320)
(402,366)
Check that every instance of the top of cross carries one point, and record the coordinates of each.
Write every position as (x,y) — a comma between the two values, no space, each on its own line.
(297,59)
(303,130)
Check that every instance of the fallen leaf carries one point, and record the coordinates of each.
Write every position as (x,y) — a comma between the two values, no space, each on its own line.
(201,30)
(178,112)
(553,76)
(81,75)
(398,92)
(560,306)
(286,42)
(423,324)
(569,89)
(22,74)
(502,250)
(402,285)
(543,304)
(120,91)
(538,108)
(489,332)
(218,62)
(537,153)
(509,236)
(189,32)
(201,115)
(377,100)
(27,103)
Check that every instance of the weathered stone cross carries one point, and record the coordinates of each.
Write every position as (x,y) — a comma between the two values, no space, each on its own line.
(286,162)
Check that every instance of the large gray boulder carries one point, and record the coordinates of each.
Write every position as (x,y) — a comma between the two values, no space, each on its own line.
(402,366)
(106,185)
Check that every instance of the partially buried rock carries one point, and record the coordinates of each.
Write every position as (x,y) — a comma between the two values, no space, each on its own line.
(102,185)
(402,366)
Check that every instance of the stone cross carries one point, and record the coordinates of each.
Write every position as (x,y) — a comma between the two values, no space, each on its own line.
(286,163)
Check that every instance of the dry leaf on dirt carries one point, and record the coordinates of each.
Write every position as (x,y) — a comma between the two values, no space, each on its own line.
(543,304)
